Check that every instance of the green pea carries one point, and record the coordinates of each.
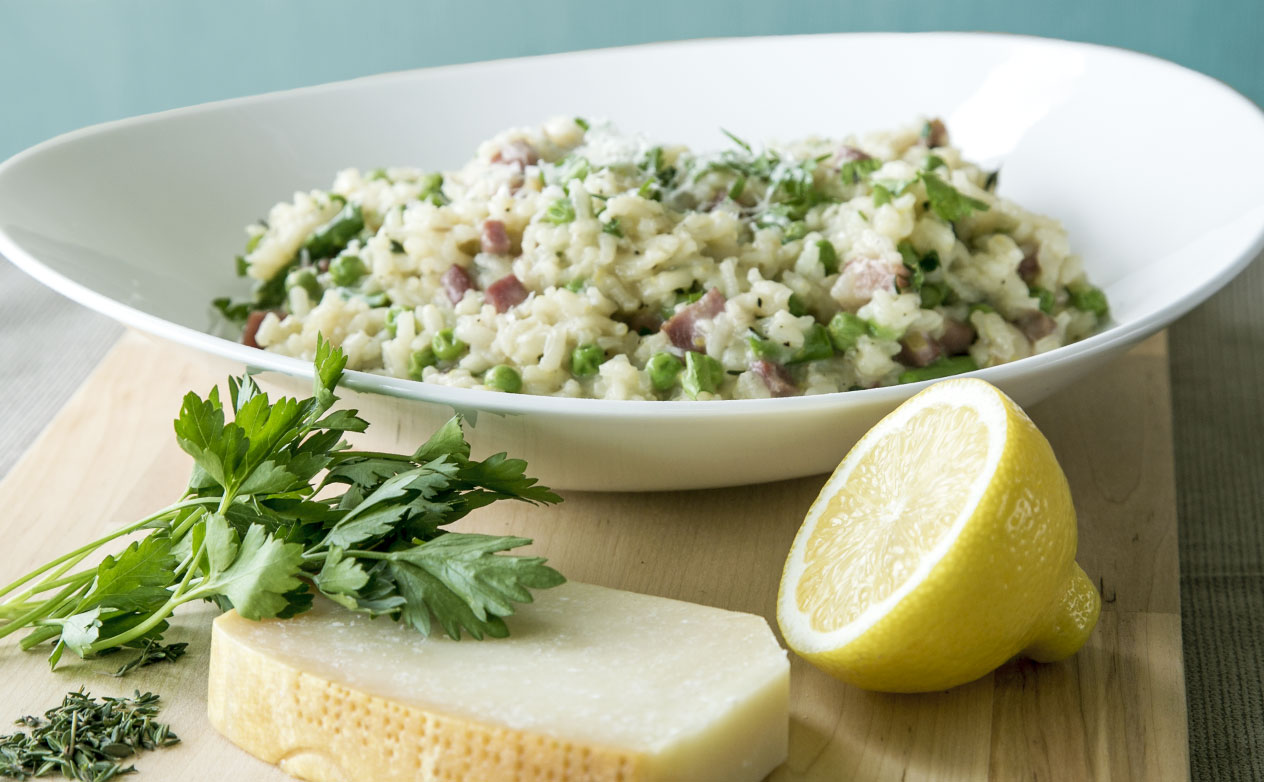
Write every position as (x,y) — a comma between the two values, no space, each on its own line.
(981,306)
(1089,299)
(446,346)
(392,317)
(576,285)
(702,373)
(585,359)
(933,294)
(845,329)
(376,300)
(663,369)
(331,237)
(1045,297)
(305,279)
(796,306)
(420,360)
(878,331)
(795,231)
(944,367)
(765,348)
(828,256)
(432,189)
(346,270)
(816,345)
(503,378)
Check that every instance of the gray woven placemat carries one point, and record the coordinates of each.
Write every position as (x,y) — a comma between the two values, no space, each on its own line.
(48,345)
(1217,367)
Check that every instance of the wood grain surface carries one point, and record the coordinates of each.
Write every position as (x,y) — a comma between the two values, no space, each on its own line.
(1116,711)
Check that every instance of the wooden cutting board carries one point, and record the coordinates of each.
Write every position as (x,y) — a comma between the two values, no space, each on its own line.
(1115,711)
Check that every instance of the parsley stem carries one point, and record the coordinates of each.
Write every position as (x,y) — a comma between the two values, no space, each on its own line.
(50,626)
(51,581)
(18,606)
(48,629)
(155,619)
(43,608)
(90,547)
(369,554)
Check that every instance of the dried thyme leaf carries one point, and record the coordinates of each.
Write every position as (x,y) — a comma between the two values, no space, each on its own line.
(84,739)
(152,652)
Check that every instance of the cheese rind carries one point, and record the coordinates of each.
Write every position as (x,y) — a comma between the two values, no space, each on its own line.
(593,684)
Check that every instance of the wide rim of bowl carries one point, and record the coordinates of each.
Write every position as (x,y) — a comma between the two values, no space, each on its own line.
(1115,336)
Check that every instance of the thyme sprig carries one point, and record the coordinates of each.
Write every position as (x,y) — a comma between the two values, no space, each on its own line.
(85,738)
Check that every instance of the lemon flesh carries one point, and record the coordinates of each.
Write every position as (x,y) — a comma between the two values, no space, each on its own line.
(942,546)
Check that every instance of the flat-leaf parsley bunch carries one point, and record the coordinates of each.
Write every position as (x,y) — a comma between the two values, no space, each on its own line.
(278,508)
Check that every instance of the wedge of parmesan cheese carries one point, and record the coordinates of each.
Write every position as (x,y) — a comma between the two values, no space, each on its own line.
(593,684)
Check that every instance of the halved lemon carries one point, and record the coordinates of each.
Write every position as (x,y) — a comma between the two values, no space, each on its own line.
(943,545)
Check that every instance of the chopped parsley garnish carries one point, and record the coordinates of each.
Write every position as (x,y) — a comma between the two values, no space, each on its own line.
(933,162)
(918,266)
(854,171)
(234,312)
(570,167)
(737,141)
(662,177)
(582,123)
(886,190)
(947,202)
(612,227)
(795,231)
(817,345)
(560,212)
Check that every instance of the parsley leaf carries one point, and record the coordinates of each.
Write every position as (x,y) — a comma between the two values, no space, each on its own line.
(736,140)
(259,531)
(262,572)
(459,578)
(854,171)
(612,228)
(560,212)
(947,202)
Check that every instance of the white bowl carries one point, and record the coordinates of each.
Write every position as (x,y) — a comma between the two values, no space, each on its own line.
(1157,172)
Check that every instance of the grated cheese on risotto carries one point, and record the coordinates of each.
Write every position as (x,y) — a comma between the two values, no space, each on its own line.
(573,260)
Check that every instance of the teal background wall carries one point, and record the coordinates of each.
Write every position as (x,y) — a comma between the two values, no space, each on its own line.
(69,63)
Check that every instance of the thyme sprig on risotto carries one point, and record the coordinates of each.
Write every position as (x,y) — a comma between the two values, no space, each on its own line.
(277,509)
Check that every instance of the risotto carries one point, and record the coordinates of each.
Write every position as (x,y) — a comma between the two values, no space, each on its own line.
(573,260)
